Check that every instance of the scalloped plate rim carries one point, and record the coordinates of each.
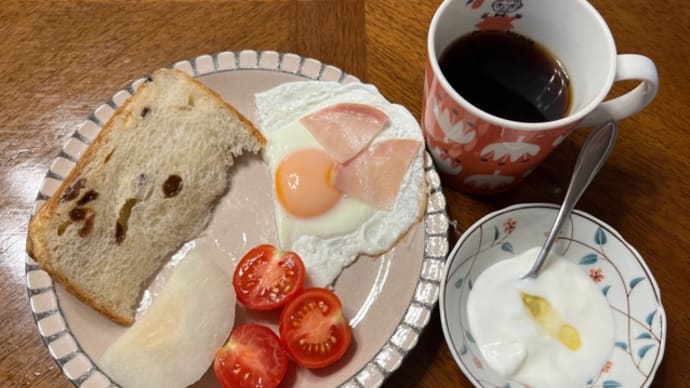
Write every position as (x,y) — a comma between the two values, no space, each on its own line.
(353,380)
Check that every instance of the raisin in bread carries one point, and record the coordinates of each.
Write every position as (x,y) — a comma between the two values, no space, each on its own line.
(147,184)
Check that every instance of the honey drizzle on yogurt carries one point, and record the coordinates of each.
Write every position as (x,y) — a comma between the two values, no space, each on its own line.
(550,320)
(556,330)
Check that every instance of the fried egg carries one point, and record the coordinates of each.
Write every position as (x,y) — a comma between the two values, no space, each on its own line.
(307,204)
(327,228)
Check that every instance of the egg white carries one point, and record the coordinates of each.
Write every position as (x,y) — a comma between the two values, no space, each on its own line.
(324,248)
(348,214)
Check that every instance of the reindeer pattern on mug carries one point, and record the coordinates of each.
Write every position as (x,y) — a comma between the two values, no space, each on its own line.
(461,142)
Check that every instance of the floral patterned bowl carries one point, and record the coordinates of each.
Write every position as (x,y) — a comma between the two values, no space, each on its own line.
(613,264)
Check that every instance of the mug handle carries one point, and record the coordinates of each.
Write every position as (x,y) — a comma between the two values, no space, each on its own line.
(628,66)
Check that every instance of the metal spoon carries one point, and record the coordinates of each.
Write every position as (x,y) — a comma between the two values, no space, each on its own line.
(594,152)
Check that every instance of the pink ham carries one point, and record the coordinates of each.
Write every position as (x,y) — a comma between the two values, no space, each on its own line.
(375,175)
(345,129)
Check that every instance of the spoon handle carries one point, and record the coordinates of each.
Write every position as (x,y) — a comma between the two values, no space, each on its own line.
(594,153)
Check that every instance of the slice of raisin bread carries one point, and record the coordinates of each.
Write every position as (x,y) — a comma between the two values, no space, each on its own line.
(147,184)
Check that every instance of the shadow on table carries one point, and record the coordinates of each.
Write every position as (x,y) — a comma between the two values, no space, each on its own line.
(621,181)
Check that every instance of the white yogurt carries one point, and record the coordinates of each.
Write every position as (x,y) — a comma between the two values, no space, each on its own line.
(516,346)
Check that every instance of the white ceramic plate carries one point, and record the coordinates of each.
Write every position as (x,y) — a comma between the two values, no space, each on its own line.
(612,263)
(388,299)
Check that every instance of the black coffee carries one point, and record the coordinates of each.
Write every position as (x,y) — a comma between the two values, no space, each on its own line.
(507,75)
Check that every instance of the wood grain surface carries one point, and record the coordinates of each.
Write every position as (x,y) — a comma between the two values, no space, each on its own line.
(61,59)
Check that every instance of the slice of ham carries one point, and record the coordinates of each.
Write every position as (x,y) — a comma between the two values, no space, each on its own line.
(345,129)
(375,175)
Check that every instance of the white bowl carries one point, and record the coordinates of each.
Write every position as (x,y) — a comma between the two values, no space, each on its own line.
(616,267)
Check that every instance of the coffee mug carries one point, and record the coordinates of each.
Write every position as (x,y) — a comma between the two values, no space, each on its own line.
(478,152)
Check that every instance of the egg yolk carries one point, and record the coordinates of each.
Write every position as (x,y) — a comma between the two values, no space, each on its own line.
(303,183)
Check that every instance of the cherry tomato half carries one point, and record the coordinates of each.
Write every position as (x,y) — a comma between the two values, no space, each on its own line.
(313,329)
(266,278)
(252,357)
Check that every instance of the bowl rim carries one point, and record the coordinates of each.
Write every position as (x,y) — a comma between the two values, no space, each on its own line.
(453,254)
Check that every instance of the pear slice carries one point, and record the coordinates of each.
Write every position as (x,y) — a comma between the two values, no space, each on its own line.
(176,339)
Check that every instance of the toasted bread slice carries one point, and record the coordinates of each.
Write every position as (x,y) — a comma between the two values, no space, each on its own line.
(147,184)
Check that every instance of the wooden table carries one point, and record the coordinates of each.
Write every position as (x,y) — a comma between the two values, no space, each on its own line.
(61,59)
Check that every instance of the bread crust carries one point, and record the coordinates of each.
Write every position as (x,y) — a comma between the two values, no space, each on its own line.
(35,245)
(256,133)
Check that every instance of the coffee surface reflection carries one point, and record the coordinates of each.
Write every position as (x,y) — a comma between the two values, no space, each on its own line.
(507,75)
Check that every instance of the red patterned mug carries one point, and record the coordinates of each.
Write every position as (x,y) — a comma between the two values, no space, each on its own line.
(481,153)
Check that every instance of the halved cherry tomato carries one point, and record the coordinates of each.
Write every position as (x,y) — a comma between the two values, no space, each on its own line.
(313,329)
(266,278)
(252,357)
